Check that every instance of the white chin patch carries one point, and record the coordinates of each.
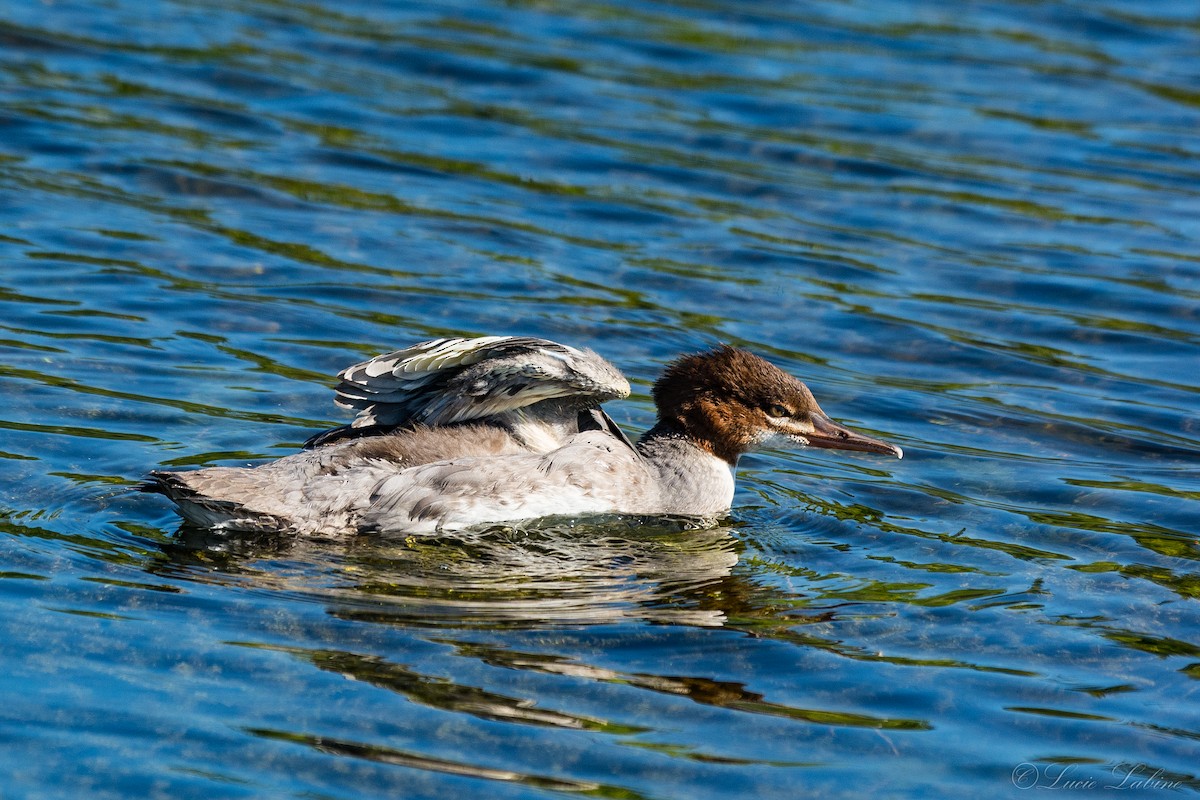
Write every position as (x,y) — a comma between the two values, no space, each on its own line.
(775,440)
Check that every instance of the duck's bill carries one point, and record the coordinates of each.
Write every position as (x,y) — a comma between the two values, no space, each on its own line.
(829,434)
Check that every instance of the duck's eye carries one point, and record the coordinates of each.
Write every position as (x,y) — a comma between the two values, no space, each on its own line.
(778,411)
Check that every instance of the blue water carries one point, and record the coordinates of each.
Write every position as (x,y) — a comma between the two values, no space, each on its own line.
(972,228)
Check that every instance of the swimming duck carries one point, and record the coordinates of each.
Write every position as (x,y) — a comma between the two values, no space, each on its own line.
(458,433)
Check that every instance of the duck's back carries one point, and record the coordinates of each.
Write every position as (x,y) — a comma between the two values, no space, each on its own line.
(392,484)
(449,433)
(324,489)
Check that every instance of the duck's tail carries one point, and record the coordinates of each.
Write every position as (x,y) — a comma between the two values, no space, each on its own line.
(222,498)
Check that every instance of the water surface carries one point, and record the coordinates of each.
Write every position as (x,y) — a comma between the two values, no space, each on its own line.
(972,229)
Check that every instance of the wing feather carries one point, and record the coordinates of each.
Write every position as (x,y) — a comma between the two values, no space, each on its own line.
(452,380)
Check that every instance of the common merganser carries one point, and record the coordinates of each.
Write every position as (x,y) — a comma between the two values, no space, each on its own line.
(458,433)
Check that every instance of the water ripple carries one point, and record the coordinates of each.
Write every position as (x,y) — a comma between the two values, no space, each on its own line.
(972,230)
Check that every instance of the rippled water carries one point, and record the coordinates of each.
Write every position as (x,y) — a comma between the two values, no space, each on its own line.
(972,228)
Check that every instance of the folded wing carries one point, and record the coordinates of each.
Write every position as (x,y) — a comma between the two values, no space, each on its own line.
(450,381)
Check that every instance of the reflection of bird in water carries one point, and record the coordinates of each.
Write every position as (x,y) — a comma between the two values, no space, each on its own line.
(593,572)
(580,573)
(455,433)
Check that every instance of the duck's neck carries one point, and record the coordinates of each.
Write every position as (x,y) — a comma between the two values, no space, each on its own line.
(692,479)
